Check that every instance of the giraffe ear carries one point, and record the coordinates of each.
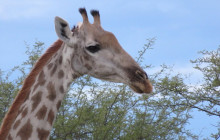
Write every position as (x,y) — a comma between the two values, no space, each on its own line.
(62,29)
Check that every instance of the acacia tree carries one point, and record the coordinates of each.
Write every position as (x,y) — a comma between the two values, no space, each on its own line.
(207,95)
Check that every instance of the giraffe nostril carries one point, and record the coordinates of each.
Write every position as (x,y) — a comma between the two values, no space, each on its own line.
(141,75)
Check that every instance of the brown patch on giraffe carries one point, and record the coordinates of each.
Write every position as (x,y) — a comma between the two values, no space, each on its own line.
(76,45)
(25,131)
(41,112)
(61,89)
(10,137)
(68,61)
(60,74)
(51,91)
(86,58)
(68,84)
(16,124)
(49,66)
(35,87)
(42,134)
(55,55)
(60,59)
(24,112)
(58,105)
(24,92)
(50,117)
(53,70)
(36,100)
(88,66)
(21,109)
(74,76)
(27,97)
(41,78)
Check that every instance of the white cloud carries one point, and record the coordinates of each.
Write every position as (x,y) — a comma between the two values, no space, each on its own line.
(187,69)
(193,76)
(19,9)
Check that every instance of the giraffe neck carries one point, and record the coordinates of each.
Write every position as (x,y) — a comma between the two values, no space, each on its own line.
(37,113)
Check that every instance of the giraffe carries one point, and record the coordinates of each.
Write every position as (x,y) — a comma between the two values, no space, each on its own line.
(86,49)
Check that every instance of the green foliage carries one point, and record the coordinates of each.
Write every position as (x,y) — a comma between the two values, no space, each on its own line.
(33,53)
(206,96)
(102,110)
(9,88)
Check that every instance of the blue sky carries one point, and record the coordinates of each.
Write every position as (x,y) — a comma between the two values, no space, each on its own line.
(182,28)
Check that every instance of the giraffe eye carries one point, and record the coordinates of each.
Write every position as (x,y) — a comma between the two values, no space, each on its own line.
(93,48)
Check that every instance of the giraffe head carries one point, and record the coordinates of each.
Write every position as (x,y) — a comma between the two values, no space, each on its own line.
(97,52)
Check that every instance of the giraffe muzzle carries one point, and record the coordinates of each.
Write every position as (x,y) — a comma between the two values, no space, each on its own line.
(140,82)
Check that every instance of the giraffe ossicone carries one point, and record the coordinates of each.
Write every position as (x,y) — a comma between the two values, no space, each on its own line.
(86,49)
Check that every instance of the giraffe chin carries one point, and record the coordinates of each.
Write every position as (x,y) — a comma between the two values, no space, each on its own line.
(142,88)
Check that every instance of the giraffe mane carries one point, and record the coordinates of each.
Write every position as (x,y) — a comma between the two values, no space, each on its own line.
(23,94)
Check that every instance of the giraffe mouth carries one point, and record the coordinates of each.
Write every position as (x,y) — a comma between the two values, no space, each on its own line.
(144,87)
(112,77)
(136,89)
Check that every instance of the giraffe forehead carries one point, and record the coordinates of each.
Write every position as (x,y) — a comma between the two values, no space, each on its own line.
(93,33)
(108,40)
